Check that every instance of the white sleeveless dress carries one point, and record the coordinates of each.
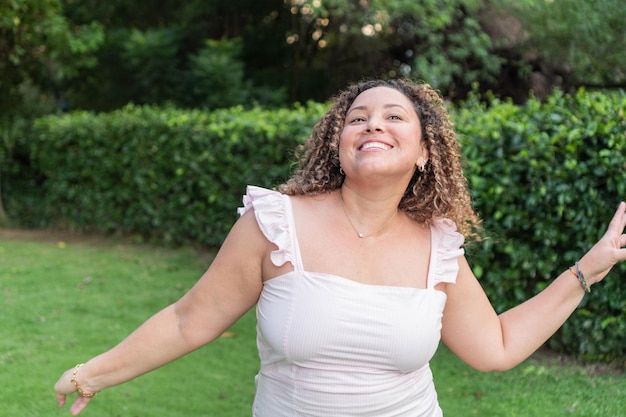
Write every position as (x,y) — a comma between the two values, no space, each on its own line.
(330,346)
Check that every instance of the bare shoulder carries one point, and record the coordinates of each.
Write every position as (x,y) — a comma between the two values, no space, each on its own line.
(246,238)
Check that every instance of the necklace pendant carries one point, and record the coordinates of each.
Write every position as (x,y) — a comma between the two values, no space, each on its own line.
(359,234)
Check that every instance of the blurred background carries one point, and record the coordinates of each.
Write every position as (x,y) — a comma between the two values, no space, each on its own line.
(94,55)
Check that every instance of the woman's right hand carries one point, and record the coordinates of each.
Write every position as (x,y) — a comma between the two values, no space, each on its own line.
(608,251)
(64,387)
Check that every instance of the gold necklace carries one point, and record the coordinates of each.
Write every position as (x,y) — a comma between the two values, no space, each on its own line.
(359,234)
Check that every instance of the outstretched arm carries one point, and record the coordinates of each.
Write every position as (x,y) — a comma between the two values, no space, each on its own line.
(229,288)
(491,342)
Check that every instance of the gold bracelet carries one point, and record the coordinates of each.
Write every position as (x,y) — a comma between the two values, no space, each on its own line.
(78,388)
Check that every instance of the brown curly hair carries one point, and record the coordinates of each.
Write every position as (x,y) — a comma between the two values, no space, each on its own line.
(439,191)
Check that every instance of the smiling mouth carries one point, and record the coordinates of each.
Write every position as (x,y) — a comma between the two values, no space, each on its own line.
(370,146)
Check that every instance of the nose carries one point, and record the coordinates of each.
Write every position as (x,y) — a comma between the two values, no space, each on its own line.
(373,124)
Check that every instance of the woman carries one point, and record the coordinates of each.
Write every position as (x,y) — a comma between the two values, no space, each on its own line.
(357,270)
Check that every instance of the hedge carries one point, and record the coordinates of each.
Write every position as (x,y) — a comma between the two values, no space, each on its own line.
(164,175)
(546,178)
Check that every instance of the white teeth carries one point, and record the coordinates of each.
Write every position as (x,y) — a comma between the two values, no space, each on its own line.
(375,145)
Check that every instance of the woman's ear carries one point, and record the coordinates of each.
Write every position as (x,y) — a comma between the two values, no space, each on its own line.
(422,160)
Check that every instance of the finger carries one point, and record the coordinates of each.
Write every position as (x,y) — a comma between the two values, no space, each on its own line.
(621,252)
(618,222)
(60,399)
(79,405)
(63,387)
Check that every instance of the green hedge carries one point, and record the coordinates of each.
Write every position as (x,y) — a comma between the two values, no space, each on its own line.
(545,177)
(163,175)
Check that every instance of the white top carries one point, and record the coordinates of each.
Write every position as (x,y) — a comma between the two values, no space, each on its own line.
(330,346)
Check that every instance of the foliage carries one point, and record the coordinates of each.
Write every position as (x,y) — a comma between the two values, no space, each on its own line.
(10,156)
(150,63)
(96,55)
(547,178)
(39,50)
(161,174)
(440,42)
(216,76)
(445,44)
(582,41)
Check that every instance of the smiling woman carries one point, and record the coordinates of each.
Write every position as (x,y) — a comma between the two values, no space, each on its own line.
(357,270)
(438,189)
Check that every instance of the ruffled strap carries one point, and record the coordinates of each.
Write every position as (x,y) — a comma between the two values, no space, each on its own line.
(273,215)
(446,249)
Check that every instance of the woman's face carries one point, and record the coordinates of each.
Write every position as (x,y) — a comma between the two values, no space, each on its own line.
(381,136)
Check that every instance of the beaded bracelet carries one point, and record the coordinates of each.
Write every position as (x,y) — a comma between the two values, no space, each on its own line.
(581,278)
(78,388)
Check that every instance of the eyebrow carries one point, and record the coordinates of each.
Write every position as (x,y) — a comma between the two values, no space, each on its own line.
(386,106)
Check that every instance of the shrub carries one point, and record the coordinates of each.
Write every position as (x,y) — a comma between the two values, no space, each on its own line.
(546,178)
(163,175)
(216,76)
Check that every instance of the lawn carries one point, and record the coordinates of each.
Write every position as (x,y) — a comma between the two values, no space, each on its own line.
(66,298)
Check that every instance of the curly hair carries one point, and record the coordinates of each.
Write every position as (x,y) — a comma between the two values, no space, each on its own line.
(439,191)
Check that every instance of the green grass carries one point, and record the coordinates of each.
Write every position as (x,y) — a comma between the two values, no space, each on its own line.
(64,303)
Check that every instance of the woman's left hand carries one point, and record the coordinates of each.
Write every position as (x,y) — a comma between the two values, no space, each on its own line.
(608,251)
(65,387)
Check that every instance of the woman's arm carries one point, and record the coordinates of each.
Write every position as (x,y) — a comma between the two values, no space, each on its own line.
(229,288)
(491,342)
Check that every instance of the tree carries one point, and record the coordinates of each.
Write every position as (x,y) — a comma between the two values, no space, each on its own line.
(445,44)
(105,54)
(311,48)
(440,42)
(575,42)
(39,49)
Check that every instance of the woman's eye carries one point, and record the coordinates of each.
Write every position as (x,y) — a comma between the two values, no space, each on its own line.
(395,117)
(357,119)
